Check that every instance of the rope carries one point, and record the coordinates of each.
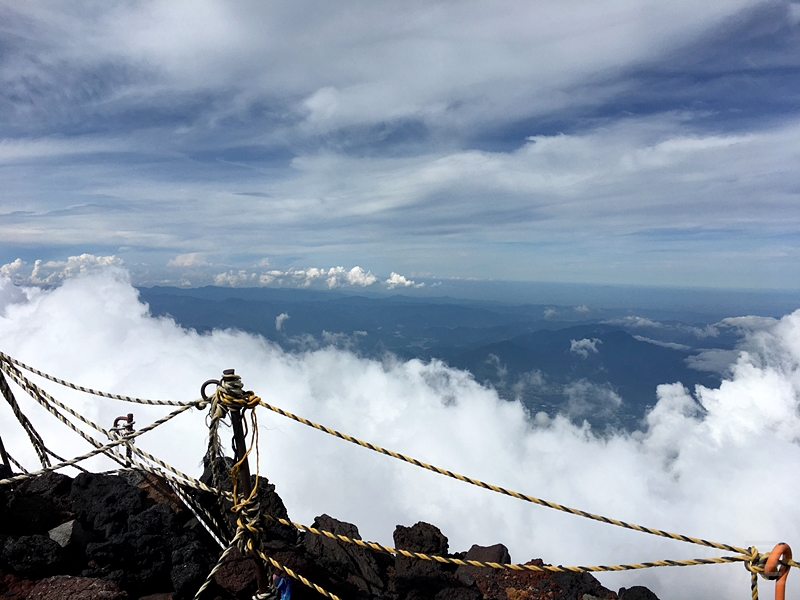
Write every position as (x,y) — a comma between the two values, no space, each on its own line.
(33,435)
(100,450)
(510,566)
(45,400)
(16,463)
(230,396)
(216,568)
(504,491)
(42,397)
(300,578)
(205,519)
(80,388)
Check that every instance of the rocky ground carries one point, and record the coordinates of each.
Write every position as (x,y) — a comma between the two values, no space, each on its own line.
(128,536)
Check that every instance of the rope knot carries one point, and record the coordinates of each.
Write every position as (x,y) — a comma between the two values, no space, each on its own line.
(755,561)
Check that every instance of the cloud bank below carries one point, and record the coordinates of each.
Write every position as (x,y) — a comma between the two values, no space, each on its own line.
(713,465)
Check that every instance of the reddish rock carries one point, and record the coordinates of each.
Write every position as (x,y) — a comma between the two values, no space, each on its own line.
(159,491)
(540,585)
(64,587)
(236,573)
(13,587)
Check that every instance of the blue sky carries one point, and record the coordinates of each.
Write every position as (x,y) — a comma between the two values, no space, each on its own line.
(248,143)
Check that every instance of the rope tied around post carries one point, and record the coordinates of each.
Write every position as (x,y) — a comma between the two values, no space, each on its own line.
(772,567)
(231,399)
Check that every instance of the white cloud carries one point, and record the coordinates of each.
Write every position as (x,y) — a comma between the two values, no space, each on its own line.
(396,280)
(634,321)
(586,400)
(360,277)
(10,293)
(242,278)
(334,277)
(54,272)
(585,346)
(712,474)
(550,313)
(700,332)
(714,360)
(582,309)
(191,259)
(280,320)
(671,345)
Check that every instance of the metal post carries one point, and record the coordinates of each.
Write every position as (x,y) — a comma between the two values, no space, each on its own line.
(245,484)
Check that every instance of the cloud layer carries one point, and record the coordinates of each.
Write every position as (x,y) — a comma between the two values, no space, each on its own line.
(532,141)
(713,466)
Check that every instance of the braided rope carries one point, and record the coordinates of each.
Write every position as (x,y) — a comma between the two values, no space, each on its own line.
(216,568)
(511,566)
(38,394)
(36,440)
(189,482)
(504,491)
(80,388)
(754,569)
(100,450)
(297,576)
(16,463)
(250,514)
(201,514)
(44,399)
(230,395)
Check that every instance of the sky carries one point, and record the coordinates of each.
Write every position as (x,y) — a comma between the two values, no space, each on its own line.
(375,145)
(724,472)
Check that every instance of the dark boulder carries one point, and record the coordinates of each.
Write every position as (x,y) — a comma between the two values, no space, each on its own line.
(347,562)
(577,585)
(33,556)
(423,578)
(487,554)
(104,502)
(459,593)
(192,561)
(70,535)
(272,505)
(37,505)
(636,592)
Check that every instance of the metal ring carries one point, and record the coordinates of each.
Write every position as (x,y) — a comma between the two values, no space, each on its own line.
(205,385)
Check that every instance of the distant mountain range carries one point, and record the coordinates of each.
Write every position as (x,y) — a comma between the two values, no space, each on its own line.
(601,366)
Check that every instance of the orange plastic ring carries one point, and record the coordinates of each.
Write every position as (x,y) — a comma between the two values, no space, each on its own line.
(776,569)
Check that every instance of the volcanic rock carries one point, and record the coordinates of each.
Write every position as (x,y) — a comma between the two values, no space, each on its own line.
(104,502)
(636,592)
(70,535)
(33,556)
(75,588)
(128,536)
(349,562)
(487,554)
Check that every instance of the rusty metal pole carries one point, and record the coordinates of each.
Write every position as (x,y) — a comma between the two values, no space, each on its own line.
(245,485)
